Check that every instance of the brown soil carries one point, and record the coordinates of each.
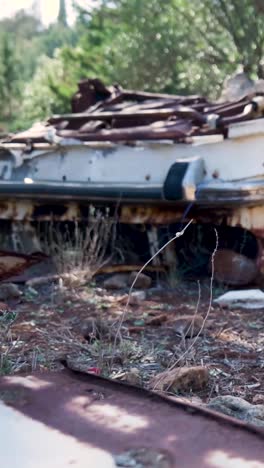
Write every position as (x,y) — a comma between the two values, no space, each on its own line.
(46,327)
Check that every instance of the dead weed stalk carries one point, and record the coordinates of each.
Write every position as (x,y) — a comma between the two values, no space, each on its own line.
(121,321)
(191,326)
(171,365)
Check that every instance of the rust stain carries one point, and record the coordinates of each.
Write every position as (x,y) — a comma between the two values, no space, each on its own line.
(158,215)
(26,210)
(250,218)
(16,210)
(149,215)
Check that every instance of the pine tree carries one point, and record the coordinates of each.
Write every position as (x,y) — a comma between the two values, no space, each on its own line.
(62,16)
(9,74)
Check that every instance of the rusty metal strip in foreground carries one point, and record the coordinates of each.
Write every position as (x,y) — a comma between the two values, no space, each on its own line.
(117,418)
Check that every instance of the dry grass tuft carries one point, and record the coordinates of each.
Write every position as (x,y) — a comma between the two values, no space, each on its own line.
(80,252)
(9,361)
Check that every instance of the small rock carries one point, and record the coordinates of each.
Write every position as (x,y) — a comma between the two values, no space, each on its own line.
(183,379)
(236,87)
(238,408)
(143,281)
(116,282)
(9,291)
(69,280)
(229,404)
(136,297)
(246,298)
(73,280)
(189,325)
(258,399)
(234,268)
(132,377)
(256,415)
(144,458)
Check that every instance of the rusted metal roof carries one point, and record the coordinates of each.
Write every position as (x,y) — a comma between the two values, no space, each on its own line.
(117,418)
(101,113)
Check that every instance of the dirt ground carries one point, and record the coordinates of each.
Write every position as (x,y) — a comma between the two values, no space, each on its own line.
(46,326)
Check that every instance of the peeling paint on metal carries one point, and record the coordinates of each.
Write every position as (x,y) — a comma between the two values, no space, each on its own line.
(250,218)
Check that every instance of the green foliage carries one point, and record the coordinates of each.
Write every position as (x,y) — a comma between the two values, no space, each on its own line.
(24,45)
(147,53)
(178,46)
(222,36)
(48,92)
(54,37)
(9,86)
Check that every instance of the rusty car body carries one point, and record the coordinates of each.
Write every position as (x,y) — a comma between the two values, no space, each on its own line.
(155,160)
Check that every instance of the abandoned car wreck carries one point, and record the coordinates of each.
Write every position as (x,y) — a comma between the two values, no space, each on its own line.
(152,161)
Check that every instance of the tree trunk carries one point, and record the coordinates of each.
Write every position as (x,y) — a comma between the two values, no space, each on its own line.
(260,72)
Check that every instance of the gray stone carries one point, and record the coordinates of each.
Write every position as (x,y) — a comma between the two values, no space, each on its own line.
(144,458)
(118,281)
(236,87)
(239,408)
(9,291)
(137,297)
(245,298)
(258,399)
(143,281)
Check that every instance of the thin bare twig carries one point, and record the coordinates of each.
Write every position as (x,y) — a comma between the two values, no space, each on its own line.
(191,326)
(206,316)
(118,333)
